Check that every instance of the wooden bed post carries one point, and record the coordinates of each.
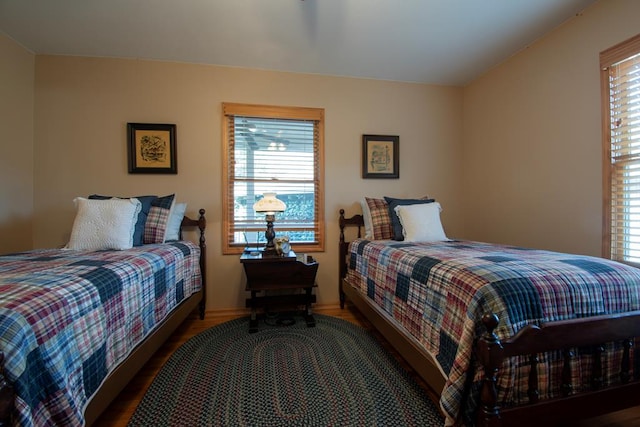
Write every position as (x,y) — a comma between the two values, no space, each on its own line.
(491,355)
(358,221)
(341,259)
(202,224)
(6,396)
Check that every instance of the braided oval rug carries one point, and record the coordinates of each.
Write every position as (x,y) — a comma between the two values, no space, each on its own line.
(333,374)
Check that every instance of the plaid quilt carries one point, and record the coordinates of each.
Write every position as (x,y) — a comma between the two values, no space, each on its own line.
(68,318)
(440,291)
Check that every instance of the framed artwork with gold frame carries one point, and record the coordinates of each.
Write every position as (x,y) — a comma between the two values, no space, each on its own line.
(152,148)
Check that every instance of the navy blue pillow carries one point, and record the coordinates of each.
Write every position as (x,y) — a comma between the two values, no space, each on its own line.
(395,221)
(138,234)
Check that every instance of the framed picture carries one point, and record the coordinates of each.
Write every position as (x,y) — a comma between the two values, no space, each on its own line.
(152,148)
(380,156)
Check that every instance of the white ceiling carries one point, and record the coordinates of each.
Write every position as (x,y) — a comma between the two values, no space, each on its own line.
(447,42)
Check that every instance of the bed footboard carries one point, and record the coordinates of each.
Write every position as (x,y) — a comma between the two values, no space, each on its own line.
(6,396)
(560,335)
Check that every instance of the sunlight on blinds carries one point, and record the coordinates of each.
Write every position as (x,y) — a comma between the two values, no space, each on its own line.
(274,155)
(624,107)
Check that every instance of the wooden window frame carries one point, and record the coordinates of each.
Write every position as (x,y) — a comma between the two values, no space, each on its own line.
(272,112)
(609,57)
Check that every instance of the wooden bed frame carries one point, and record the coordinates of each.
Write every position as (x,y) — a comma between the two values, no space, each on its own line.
(121,376)
(529,341)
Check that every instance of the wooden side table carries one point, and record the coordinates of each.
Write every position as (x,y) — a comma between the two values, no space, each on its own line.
(278,273)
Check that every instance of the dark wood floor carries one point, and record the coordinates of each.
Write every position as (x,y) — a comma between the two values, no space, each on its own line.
(119,412)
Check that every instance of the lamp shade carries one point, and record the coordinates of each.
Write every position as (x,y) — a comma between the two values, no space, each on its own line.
(269,204)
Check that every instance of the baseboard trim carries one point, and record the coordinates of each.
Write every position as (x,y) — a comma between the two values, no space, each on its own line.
(231,312)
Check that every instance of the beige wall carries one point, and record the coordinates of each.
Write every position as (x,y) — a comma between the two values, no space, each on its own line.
(532,137)
(515,157)
(16,146)
(84,104)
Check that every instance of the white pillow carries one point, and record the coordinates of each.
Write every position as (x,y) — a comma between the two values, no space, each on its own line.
(104,224)
(421,223)
(175,219)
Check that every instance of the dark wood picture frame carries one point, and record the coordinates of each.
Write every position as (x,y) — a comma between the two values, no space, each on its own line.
(380,156)
(152,148)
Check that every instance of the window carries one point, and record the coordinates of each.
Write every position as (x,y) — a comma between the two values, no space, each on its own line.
(620,80)
(273,149)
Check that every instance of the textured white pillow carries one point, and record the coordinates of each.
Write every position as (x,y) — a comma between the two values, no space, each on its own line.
(104,224)
(175,219)
(421,223)
(366,215)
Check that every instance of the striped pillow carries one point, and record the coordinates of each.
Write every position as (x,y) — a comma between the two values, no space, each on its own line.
(381,228)
(155,229)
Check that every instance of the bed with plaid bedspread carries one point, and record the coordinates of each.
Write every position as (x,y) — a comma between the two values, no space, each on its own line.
(68,318)
(440,291)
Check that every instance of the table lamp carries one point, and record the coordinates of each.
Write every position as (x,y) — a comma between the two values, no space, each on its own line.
(269,205)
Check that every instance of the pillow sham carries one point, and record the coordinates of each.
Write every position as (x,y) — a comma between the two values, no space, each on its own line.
(138,235)
(155,228)
(175,220)
(366,216)
(395,221)
(380,221)
(421,223)
(104,224)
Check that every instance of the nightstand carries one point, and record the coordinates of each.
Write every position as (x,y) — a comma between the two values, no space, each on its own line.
(269,273)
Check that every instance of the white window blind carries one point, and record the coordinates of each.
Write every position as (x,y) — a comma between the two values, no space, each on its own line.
(621,73)
(273,149)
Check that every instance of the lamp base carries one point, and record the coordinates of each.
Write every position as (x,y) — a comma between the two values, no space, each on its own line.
(270,247)
(269,252)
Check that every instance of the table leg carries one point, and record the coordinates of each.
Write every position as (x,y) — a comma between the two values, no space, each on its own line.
(253,322)
(308,316)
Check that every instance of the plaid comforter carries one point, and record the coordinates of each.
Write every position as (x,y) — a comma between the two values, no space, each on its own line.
(440,291)
(68,318)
